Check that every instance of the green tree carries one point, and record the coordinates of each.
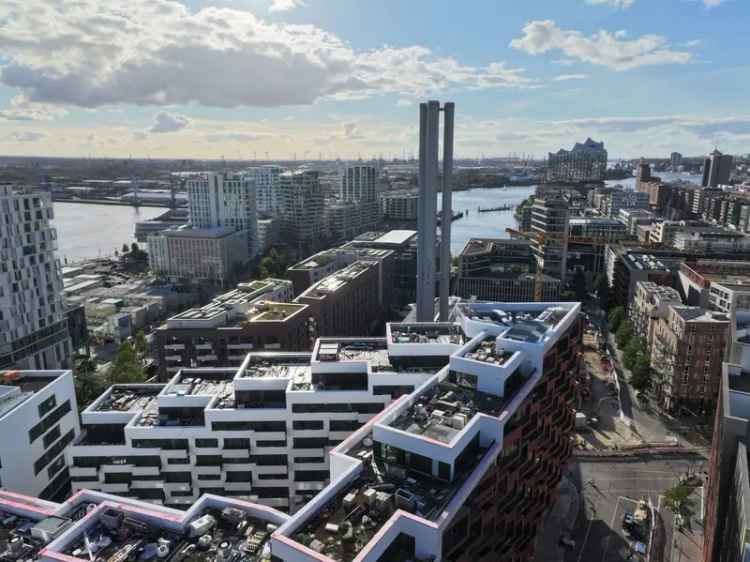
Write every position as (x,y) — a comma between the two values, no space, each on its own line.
(642,376)
(140,346)
(623,334)
(616,316)
(634,349)
(579,285)
(601,285)
(88,384)
(125,249)
(126,367)
(135,248)
(677,500)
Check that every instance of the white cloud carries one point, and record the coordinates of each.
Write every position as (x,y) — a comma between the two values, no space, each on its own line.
(285,5)
(693,43)
(620,4)
(713,3)
(567,77)
(165,122)
(21,109)
(564,62)
(25,136)
(92,53)
(404,103)
(602,48)
(237,136)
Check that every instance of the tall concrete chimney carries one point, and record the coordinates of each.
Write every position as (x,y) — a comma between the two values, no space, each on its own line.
(447,213)
(429,130)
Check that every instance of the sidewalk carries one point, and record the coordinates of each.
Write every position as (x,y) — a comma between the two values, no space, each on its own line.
(559,521)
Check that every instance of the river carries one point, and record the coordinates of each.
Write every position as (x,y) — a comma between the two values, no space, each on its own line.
(91,231)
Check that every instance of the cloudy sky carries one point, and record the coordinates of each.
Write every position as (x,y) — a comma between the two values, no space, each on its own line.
(244,78)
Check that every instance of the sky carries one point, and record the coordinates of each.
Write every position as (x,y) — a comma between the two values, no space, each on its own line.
(344,78)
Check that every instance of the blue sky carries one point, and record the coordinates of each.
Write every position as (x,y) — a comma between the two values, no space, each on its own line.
(237,78)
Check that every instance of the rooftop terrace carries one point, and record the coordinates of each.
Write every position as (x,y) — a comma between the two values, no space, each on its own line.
(18,386)
(530,325)
(275,365)
(337,280)
(433,333)
(129,399)
(372,350)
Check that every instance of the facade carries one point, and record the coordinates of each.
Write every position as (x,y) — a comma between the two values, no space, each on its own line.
(39,419)
(586,162)
(345,220)
(717,169)
(618,199)
(301,203)
(33,326)
(478,439)
(687,353)
(198,254)
(650,303)
(675,161)
(358,183)
(719,285)
(549,224)
(256,316)
(269,233)
(227,201)
(114,527)
(626,269)
(715,241)
(634,217)
(501,270)
(266,188)
(400,205)
(599,228)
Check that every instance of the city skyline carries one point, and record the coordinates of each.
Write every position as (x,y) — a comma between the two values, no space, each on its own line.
(283,78)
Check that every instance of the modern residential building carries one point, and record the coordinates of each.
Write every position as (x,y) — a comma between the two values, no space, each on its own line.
(359,183)
(717,169)
(226,201)
(93,524)
(38,420)
(597,228)
(650,303)
(478,439)
(586,162)
(727,491)
(686,355)
(256,316)
(269,232)
(713,241)
(626,267)
(400,205)
(33,326)
(664,232)
(719,285)
(501,270)
(634,217)
(345,220)
(617,199)
(266,188)
(301,203)
(211,255)
(549,225)
(675,161)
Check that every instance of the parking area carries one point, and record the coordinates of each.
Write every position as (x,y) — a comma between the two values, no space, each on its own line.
(609,490)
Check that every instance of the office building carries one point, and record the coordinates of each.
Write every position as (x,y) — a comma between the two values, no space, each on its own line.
(227,201)
(33,327)
(400,205)
(266,188)
(94,525)
(302,208)
(549,225)
(585,162)
(717,169)
(38,420)
(650,303)
(686,355)
(256,316)
(501,270)
(480,442)
(358,183)
(675,161)
(201,255)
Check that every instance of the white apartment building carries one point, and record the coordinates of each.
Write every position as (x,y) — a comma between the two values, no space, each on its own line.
(198,254)
(400,205)
(38,420)
(301,202)
(358,183)
(33,328)
(266,188)
(225,200)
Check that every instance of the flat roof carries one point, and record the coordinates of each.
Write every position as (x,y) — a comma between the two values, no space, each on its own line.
(396,237)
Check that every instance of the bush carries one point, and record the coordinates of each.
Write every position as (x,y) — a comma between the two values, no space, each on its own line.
(623,335)
(616,317)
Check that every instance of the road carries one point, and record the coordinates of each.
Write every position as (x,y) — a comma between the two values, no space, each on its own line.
(609,488)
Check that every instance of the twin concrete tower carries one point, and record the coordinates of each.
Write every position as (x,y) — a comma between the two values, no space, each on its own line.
(429,136)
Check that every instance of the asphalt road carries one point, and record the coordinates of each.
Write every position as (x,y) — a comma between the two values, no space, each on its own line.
(609,489)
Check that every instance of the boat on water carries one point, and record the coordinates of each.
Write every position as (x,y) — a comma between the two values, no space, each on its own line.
(492,209)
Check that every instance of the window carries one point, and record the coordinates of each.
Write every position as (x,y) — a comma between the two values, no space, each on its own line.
(344,425)
(249,426)
(51,436)
(311,475)
(309,459)
(206,443)
(208,460)
(178,461)
(269,460)
(307,424)
(53,452)
(184,477)
(310,442)
(47,405)
(239,476)
(236,443)
(46,423)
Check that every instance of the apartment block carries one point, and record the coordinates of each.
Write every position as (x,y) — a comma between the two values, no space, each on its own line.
(38,420)
(266,188)
(650,303)
(358,183)
(687,353)
(400,205)
(549,224)
(33,327)
(256,316)
(720,285)
(301,202)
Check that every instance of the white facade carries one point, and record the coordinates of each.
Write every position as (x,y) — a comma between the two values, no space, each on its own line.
(267,188)
(33,328)
(301,202)
(225,200)
(358,183)
(38,420)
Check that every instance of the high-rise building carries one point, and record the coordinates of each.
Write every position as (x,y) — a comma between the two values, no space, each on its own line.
(358,183)
(586,162)
(33,326)
(224,200)
(38,420)
(266,188)
(717,169)
(549,224)
(400,205)
(301,202)
(675,161)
